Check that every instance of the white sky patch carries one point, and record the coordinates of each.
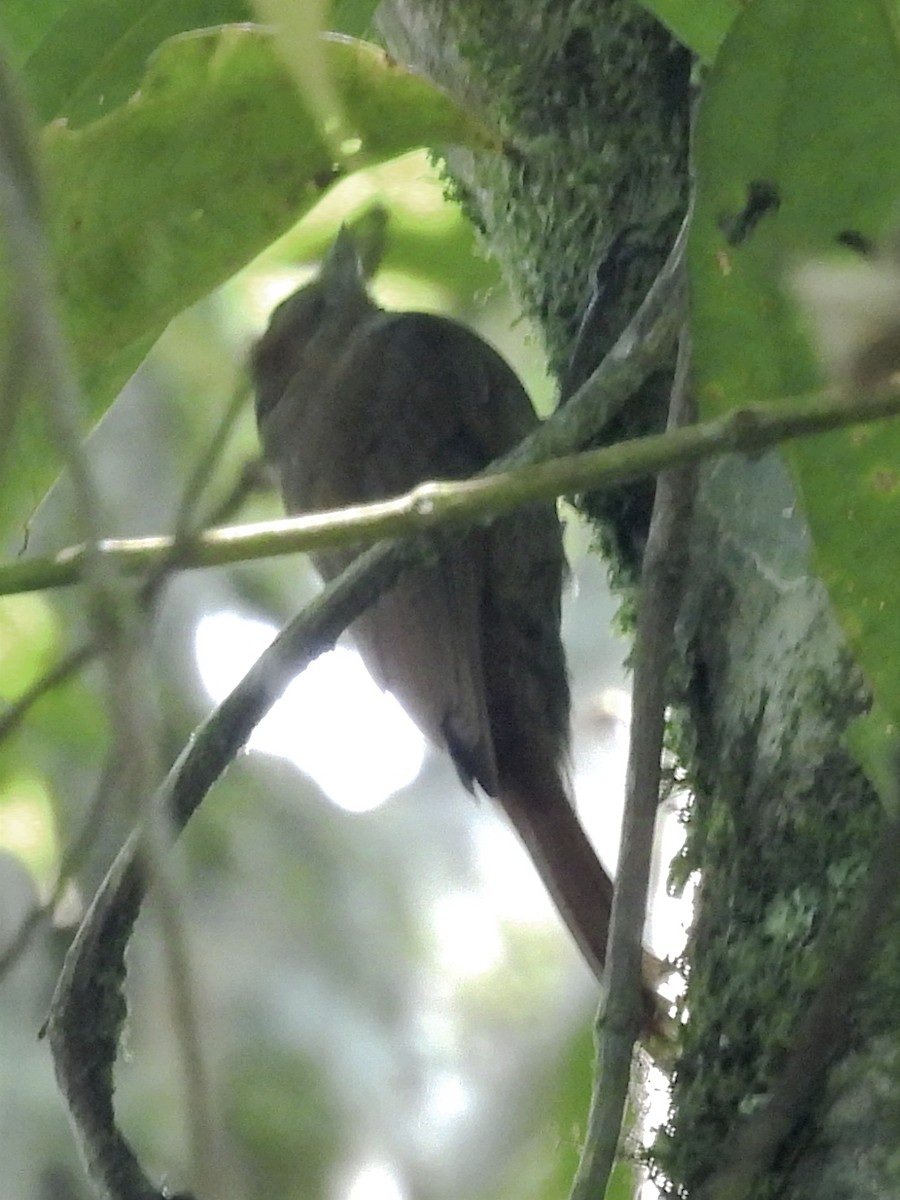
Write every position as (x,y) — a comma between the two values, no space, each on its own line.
(375,1181)
(333,704)
(512,888)
(467,935)
(447,1101)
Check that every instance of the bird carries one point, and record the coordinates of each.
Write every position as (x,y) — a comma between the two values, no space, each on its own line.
(355,403)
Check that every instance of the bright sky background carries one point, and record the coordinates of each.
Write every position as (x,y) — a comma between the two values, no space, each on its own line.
(336,693)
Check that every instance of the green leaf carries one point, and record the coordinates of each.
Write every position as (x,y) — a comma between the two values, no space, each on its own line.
(796,157)
(156,204)
(700,24)
(875,742)
(354,17)
(90,59)
(153,206)
(24,23)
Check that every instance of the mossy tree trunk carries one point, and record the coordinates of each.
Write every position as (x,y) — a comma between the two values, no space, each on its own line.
(593,98)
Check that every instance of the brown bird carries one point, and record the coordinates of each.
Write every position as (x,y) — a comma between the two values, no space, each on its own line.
(357,404)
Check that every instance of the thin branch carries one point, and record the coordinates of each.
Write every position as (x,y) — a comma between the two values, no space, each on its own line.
(203,1134)
(73,661)
(254,479)
(185,1008)
(188,521)
(429,506)
(49,362)
(16,159)
(208,462)
(32,284)
(61,672)
(620,1018)
(641,348)
(69,866)
(185,523)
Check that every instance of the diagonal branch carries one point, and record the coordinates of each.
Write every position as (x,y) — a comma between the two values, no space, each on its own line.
(74,660)
(88,1008)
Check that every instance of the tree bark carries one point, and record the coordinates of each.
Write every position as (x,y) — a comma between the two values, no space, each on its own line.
(593,98)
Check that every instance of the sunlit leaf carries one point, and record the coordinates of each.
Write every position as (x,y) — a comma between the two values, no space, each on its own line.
(28,637)
(156,204)
(27,827)
(160,201)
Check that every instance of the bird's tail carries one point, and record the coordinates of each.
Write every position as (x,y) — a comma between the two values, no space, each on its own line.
(567,863)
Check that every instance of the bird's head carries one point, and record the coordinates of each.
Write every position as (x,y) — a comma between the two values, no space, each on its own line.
(312,323)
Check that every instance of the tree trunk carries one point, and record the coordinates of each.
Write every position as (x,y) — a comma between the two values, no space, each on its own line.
(593,99)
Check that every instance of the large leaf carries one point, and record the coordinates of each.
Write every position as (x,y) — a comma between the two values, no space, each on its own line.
(156,204)
(700,24)
(796,157)
(216,155)
(25,22)
(82,58)
(355,17)
(91,57)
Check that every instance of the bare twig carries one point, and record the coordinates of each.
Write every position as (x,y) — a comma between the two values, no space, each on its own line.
(622,1014)
(20,188)
(71,861)
(643,346)
(188,519)
(88,1008)
(61,672)
(51,368)
(76,659)
(49,362)
(203,1134)
(509,485)
(198,1105)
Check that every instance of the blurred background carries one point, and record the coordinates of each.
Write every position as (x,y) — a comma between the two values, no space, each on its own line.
(389,1007)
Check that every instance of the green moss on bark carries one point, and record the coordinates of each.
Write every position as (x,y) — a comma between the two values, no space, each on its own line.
(592,98)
